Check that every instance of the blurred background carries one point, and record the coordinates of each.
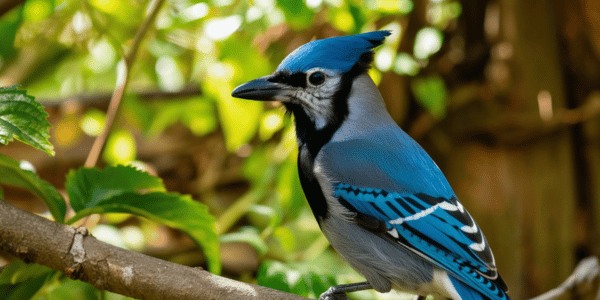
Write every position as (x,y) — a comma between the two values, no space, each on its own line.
(505,95)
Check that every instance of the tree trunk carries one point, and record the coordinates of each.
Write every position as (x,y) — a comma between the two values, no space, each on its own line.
(523,194)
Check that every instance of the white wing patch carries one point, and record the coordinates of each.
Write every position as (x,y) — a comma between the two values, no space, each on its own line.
(470,229)
(444,205)
(478,246)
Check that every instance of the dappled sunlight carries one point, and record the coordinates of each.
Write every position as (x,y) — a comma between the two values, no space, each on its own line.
(170,77)
(37,10)
(501,95)
(92,122)
(219,29)
(428,41)
(102,56)
(120,148)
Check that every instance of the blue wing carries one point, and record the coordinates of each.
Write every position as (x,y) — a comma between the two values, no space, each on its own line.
(438,229)
(414,200)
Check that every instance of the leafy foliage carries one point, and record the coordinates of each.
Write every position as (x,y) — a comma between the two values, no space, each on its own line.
(19,280)
(431,93)
(289,279)
(11,173)
(125,189)
(249,235)
(210,47)
(19,271)
(90,187)
(8,27)
(24,119)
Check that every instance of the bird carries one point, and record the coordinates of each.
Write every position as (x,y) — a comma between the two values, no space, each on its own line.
(378,197)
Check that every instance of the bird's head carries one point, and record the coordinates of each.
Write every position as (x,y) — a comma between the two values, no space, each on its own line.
(314,81)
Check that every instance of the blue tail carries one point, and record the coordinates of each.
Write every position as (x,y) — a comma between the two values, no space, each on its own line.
(465,292)
(468,293)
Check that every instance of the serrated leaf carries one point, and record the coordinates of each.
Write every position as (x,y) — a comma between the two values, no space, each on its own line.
(88,187)
(12,174)
(21,117)
(124,189)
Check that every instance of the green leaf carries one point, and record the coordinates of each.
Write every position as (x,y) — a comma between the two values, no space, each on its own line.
(19,271)
(120,148)
(24,119)
(294,279)
(19,280)
(297,14)
(123,189)
(66,288)
(239,119)
(262,216)
(358,14)
(431,93)
(249,235)
(236,53)
(23,290)
(289,189)
(89,187)
(106,295)
(9,24)
(12,174)
(198,114)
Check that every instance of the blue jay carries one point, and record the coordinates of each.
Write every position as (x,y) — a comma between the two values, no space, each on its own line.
(378,197)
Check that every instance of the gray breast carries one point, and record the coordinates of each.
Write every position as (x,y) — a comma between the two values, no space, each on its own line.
(383,262)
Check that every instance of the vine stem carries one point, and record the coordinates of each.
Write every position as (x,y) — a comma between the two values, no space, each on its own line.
(123,72)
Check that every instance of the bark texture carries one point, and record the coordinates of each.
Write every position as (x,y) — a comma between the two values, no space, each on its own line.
(81,256)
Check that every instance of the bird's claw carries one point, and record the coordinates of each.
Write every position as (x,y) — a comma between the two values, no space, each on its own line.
(333,294)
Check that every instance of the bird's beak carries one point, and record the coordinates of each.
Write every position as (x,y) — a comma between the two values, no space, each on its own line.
(258,89)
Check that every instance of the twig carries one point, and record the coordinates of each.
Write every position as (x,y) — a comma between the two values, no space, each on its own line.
(582,284)
(123,72)
(101,99)
(80,256)
(493,125)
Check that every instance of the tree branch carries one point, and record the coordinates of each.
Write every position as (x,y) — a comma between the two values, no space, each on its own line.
(584,283)
(81,256)
(101,99)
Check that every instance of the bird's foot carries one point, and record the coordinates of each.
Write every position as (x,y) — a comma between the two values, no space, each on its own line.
(338,292)
(333,296)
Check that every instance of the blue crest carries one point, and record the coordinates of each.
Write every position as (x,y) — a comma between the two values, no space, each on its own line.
(336,53)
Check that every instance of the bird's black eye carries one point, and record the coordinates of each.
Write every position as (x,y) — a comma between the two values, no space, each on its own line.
(316,78)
